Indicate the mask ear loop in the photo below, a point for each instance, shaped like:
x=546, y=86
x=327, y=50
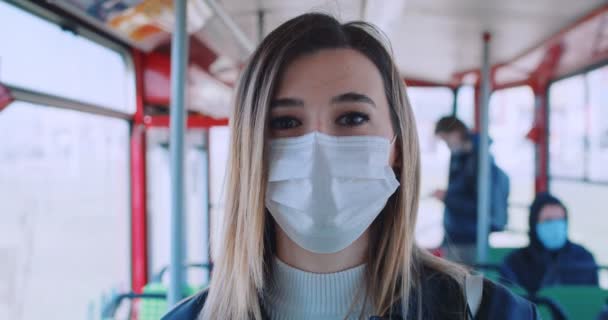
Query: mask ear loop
x=397, y=175
x=393, y=139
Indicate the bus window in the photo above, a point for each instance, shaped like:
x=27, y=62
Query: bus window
x=219, y=144
x=578, y=153
x=466, y=105
x=511, y=117
x=429, y=105
x=43, y=58
x=567, y=127
x=195, y=197
x=597, y=81
x=64, y=222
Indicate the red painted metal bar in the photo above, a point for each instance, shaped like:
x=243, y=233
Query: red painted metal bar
x=525, y=82
x=138, y=65
x=5, y=97
x=539, y=81
x=156, y=75
x=544, y=72
x=555, y=38
x=139, y=241
x=192, y=122
x=411, y=82
x=139, y=230
x=539, y=135
x=600, y=33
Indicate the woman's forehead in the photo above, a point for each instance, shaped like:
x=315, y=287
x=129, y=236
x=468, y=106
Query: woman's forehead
x=330, y=71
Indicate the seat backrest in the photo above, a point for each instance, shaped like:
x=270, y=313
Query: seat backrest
x=154, y=309
x=498, y=255
x=579, y=302
x=495, y=259
x=545, y=312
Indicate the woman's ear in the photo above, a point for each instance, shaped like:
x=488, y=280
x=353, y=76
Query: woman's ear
x=396, y=157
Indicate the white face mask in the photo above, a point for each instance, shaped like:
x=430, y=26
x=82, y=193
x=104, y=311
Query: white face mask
x=325, y=191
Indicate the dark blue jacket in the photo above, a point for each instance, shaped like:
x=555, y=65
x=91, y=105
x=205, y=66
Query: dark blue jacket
x=442, y=301
x=460, y=216
x=535, y=267
x=604, y=313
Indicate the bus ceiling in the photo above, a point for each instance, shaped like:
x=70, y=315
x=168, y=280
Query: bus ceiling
x=436, y=42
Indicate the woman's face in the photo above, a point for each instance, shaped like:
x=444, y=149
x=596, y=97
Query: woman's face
x=338, y=92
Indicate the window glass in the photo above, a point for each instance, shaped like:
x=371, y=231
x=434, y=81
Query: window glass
x=511, y=118
x=219, y=146
x=567, y=128
x=429, y=105
x=195, y=197
x=44, y=58
x=579, y=153
x=586, y=216
x=466, y=105
x=597, y=157
x=64, y=213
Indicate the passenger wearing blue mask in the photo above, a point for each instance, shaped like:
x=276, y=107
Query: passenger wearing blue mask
x=550, y=259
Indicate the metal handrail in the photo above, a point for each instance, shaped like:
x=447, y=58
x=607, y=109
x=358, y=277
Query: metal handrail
x=205, y=266
x=109, y=310
x=573, y=267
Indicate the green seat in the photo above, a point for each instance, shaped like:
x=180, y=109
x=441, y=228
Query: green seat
x=492, y=275
x=579, y=302
x=498, y=255
x=154, y=309
x=495, y=259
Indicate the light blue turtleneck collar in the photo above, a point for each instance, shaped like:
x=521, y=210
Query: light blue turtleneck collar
x=294, y=294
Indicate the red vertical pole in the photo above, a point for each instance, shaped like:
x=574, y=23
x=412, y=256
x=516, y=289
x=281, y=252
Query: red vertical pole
x=541, y=140
x=477, y=111
x=139, y=254
x=138, y=65
x=139, y=238
x=539, y=81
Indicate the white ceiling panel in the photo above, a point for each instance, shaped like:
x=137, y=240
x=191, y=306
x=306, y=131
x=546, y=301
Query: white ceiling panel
x=431, y=39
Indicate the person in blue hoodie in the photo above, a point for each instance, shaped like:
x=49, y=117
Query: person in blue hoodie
x=550, y=258
x=460, y=198
x=603, y=315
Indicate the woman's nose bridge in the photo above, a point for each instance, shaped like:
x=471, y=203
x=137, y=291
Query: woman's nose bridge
x=320, y=121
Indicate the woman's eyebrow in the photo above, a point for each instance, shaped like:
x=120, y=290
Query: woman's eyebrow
x=353, y=97
x=286, y=102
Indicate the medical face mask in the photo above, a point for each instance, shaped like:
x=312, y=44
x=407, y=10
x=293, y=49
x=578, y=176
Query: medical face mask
x=553, y=234
x=325, y=191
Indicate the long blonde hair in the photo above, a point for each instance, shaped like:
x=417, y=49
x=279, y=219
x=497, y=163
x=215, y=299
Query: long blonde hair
x=243, y=263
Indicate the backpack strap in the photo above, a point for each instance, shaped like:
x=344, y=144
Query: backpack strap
x=473, y=292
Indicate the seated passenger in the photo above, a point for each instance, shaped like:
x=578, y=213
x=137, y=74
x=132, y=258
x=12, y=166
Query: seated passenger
x=550, y=259
x=604, y=313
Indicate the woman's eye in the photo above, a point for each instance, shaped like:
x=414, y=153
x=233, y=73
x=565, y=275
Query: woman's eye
x=353, y=119
x=284, y=123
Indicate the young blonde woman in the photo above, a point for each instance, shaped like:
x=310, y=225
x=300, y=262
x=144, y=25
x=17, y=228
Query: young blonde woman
x=323, y=192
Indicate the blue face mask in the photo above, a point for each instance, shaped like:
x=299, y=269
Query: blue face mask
x=553, y=234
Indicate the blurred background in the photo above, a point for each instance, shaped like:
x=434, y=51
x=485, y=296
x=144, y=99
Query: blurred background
x=84, y=129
